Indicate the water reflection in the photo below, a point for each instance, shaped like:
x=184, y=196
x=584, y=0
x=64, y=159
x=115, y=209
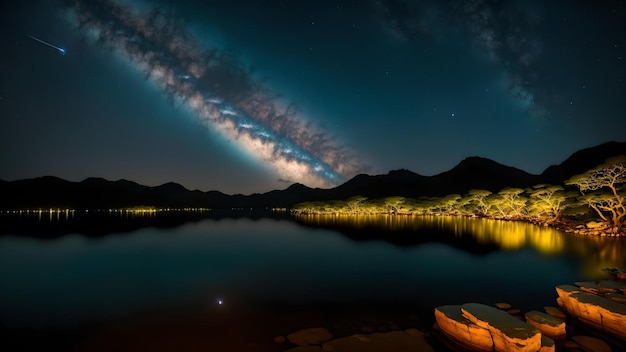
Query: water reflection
x=595, y=252
x=49, y=214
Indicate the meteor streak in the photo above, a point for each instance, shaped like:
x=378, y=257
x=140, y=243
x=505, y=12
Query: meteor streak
x=61, y=50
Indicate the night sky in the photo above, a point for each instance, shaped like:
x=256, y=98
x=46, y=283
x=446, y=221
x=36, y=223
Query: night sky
x=248, y=96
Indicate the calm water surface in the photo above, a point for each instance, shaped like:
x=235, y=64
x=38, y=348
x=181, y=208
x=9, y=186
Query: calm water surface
x=414, y=264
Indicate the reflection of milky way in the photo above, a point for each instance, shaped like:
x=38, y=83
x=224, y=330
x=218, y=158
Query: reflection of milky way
x=218, y=90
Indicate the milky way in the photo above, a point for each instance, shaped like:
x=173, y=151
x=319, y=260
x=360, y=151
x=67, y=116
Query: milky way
x=218, y=90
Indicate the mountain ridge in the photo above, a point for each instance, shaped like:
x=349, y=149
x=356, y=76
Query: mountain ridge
x=470, y=173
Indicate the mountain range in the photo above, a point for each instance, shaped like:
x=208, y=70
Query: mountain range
x=470, y=173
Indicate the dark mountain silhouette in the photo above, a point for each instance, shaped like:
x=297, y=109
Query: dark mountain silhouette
x=396, y=182
x=471, y=173
x=582, y=161
x=480, y=173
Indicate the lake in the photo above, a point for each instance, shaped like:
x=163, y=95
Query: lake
x=235, y=282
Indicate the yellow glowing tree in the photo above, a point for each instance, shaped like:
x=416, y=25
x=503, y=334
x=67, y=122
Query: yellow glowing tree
x=477, y=200
x=354, y=203
x=604, y=190
x=394, y=204
x=547, y=201
x=514, y=201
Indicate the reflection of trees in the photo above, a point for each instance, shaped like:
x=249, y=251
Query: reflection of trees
x=596, y=252
x=599, y=252
x=508, y=235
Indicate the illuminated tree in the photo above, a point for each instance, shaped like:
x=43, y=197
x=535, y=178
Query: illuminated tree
x=311, y=207
x=513, y=201
x=477, y=200
x=372, y=206
x=496, y=206
x=393, y=204
x=354, y=203
x=607, y=192
x=547, y=201
x=450, y=203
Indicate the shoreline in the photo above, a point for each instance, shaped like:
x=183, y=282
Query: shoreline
x=577, y=227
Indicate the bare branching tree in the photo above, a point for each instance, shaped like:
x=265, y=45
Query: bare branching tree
x=594, y=184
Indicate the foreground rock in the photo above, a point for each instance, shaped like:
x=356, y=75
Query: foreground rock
x=397, y=341
x=455, y=326
x=595, y=311
x=591, y=344
x=483, y=328
x=555, y=312
x=312, y=336
x=549, y=325
x=505, y=330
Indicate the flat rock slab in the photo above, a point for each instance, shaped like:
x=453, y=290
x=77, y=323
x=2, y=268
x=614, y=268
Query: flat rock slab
x=555, y=312
x=504, y=306
x=547, y=344
x=451, y=322
x=312, y=336
x=549, y=325
x=567, y=289
x=616, y=286
x=507, y=332
x=397, y=341
x=602, y=313
x=616, y=297
x=414, y=332
x=589, y=286
x=591, y=344
x=595, y=311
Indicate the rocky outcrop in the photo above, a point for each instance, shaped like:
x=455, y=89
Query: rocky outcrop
x=549, y=326
x=455, y=326
x=484, y=328
x=509, y=334
x=591, y=344
x=547, y=344
x=312, y=336
x=593, y=310
x=616, y=297
x=555, y=312
x=320, y=339
x=397, y=341
x=596, y=305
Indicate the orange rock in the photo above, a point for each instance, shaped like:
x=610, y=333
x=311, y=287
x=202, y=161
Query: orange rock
x=588, y=286
x=564, y=291
x=414, y=332
x=591, y=344
x=459, y=329
x=619, y=298
x=503, y=306
x=555, y=312
x=508, y=333
x=595, y=311
x=571, y=345
x=612, y=286
x=547, y=345
x=549, y=325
